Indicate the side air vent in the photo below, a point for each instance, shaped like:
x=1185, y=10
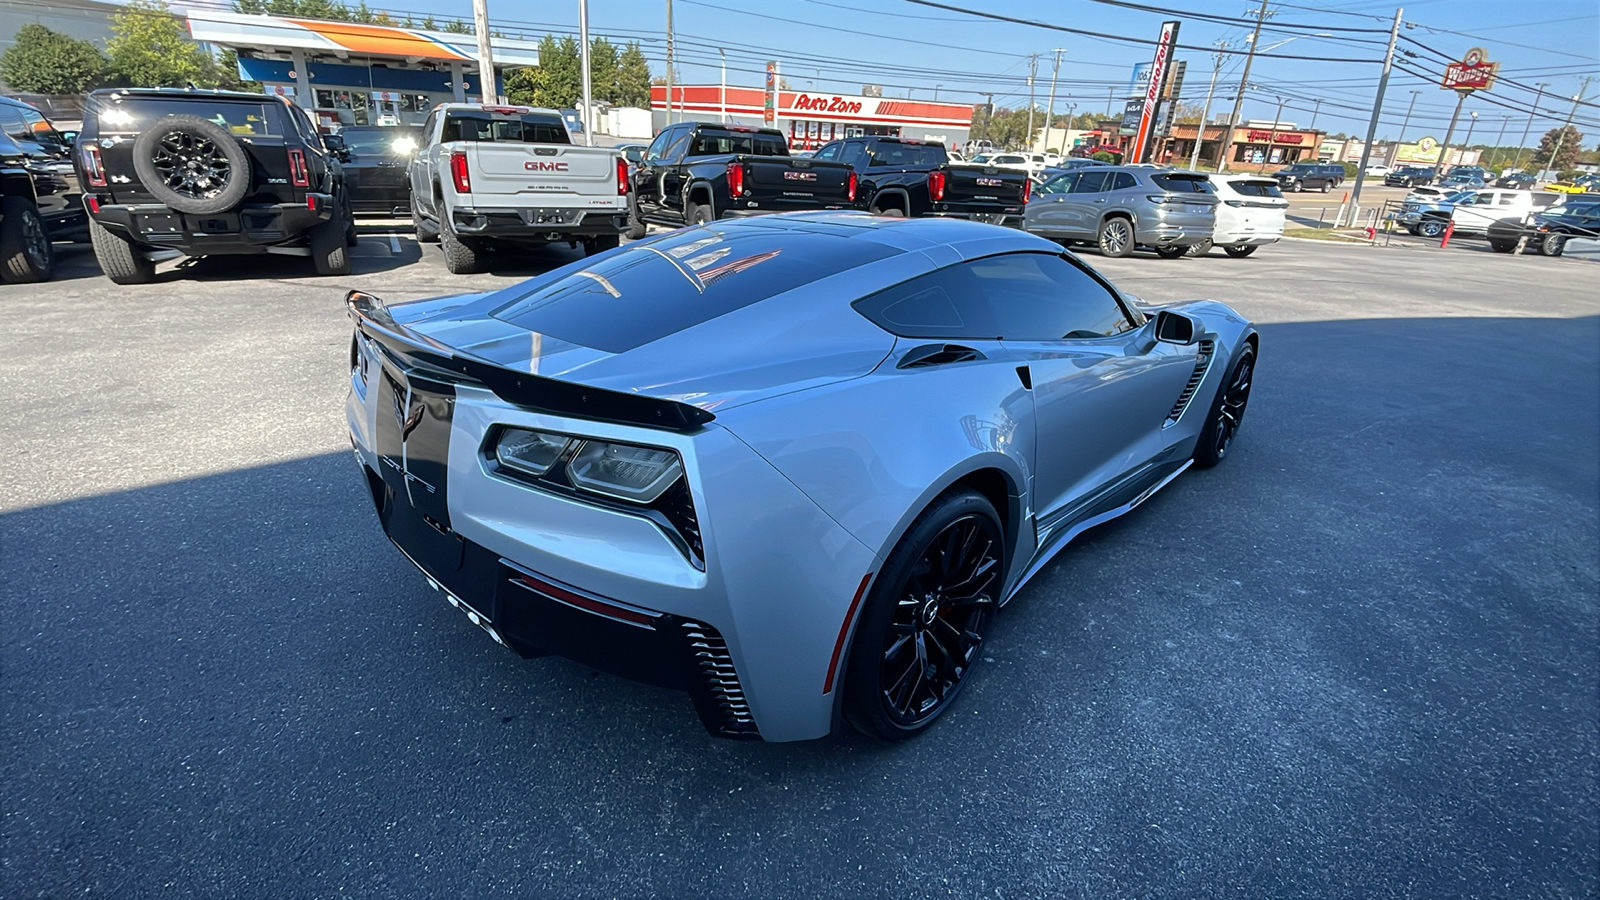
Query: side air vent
x=718, y=695
x=1201, y=363
x=937, y=355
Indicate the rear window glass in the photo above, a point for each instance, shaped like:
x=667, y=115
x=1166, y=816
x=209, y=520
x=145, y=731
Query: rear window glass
x=1256, y=188
x=1184, y=184
x=890, y=154
x=660, y=287
x=748, y=143
x=470, y=125
x=137, y=114
x=381, y=141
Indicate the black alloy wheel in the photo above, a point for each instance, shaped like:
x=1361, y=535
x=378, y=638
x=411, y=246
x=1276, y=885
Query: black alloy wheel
x=191, y=165
x=1227, y=412
x=924, y=625
x=25, y=251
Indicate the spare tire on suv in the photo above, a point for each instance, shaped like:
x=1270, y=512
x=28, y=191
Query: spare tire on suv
x=192, y=165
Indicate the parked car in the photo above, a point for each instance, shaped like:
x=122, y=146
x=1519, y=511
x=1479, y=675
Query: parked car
x=1004, y=161
x=1302, y=175
x=1474, y=212
x=793, y=465
x=1479, y=171
x=1067, y=164
x=1428, y=216
x=28, y=140
x=208, y=173
x=1251, y=213
x=375, y=159
x=1378, y=171
x=1462, y=181
x=498, y=175
x=1549, y=231
x=25, y=251
x=902, y=177
x=1579, y=185
x=1518, y=180
x=1427, y=194
x=698, y=172
x=633, y=153
x=1410, y=176
x=1119, y=208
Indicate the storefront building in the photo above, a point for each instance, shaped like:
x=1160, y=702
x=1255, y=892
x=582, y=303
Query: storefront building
x=1254, y=143
x=811, y=119
x=345, y=73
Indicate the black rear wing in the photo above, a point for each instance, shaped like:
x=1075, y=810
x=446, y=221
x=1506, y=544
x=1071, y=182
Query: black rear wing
x=538, y=393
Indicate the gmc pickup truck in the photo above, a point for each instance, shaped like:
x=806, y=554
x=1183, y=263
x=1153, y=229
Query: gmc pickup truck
x=899, y=177
x=491, y=174
x=696, y=172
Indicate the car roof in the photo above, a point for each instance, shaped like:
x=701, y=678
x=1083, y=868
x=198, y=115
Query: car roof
x=184, y=94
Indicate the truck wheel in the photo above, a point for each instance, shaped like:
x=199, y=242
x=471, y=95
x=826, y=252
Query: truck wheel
x=25, y=253
x=698, y=215
x=460, y=257
x=1240, y=252
x=596, y=245
x=121, y=261
x=192, y=165
x=426, y=234
x=1430, y=228
x=636, y=226
x=329, y=253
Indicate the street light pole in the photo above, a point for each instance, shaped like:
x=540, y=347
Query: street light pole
x=480, y=21
x=722, y=92
x=1200, y=133
x=1531, y=113
x=1466, y=145
x=1050, y=114
x=1244, y=79
x=1501, y=140
x=936, y=92
x=1317, y=109
x=1272, y=139
x=1407, y=121
x=669, y=62
x=1033, y=69
x=583, y=56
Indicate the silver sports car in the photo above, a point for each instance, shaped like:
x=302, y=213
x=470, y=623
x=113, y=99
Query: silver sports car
x=790, y=464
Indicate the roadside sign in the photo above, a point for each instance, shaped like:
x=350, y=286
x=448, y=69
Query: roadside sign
x=1473, y=73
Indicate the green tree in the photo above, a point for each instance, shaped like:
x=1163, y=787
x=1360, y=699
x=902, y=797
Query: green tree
x=458, y=27
x=428, y=24
x=522, y=86
x=1570, y=139
x=603, y=68
x=150, y=48
x=633, y=77
x=557, y=81
x=46, y=62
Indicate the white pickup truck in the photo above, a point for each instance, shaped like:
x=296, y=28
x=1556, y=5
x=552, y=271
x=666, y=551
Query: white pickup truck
x=489, y=174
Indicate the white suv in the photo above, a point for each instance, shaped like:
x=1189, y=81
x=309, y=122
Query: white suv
x=1251, y=212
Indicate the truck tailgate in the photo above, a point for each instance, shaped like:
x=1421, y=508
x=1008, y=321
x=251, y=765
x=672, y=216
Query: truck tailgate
x=984, y=186
x=542, y=174
x=784, y=182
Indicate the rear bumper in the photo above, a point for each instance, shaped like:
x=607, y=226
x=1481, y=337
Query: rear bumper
x=1170, y=234
x=538, y=223
x=248, y=229
x=1246, y=239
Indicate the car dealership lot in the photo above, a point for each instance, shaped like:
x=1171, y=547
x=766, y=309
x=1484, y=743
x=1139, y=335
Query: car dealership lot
x=1358, y=658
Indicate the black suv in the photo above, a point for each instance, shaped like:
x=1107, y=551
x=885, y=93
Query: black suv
x=1410, y=176
x=1299, y=176
x=208, y=173
x=25, y=253
x=29, y=141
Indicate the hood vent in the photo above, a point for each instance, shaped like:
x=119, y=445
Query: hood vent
x=1201, y=363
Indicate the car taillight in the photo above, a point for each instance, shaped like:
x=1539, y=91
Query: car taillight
x=935, y=186
x=299, y=175
x=93, y=203
x=735, y=179
x=459, y=174
x=622, y=176
x=92, y=165
x=1027, y=189
x=850, y=189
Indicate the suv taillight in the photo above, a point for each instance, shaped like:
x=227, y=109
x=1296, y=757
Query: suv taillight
x=735, y=179
x=622, y=176
x=93, y=166
x=935, y=186
x=1027, y=189
x=459, y=174
x=850, y=189
x=299, y=175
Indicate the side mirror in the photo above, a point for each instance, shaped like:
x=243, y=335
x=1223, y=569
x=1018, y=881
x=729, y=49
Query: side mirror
x=68, y=137
x=1176, y=328
x=335, y=144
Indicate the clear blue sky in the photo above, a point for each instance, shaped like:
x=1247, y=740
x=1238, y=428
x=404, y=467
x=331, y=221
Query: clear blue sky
x=839, y=45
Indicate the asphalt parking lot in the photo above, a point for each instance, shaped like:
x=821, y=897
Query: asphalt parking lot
x=1359, y=659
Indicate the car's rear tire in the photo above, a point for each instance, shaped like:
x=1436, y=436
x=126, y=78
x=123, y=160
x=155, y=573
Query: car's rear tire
x=921, y=629
x=1502, y=246
x=1430, y=228
x=637, y=227
x=601, y=244
x=330, y=254
x=461, y=257
x=1173, y=252
x=1116, y=237
x=893, y=212
x=1299, y=185
x=698, y=214
x=1227, y=411
x=1553, y=244
x=1200, y=249
x=426, y=234
x=1239, y=252
x=1326, y=186
x=25, y=252
x=122, y=261
x=171, y=147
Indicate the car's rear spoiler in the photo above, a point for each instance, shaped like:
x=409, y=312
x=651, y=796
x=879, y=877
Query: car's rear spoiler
x=534, y=392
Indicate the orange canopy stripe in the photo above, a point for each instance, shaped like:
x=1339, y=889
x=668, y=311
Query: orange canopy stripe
x=379, y=40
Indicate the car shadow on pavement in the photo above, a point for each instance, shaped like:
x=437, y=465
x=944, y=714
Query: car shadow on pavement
x=1375, y=619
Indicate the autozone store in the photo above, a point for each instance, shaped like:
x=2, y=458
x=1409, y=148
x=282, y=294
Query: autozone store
x=811, y=119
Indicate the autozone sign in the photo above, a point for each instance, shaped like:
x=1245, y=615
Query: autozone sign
x=826, y=104
x=541, y=166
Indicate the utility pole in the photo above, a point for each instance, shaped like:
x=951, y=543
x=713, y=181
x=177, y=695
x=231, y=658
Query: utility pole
x=1466, y=145
x=1531, y=113
x=1501, y=140
x=1444, y=148
x=1111, y=101
x=480, y=21
x=588, y=94
x=1354, y=206
x=722, y=93
x=669, y=62
x=1200, y=133
x=1576, y=99
x=1407, y=122
x=1244, y=79
x=936, y=92
x=1272, y=140
x=1033, y=69
x=988, y=116
x=1314, y=113
x=1050, y=114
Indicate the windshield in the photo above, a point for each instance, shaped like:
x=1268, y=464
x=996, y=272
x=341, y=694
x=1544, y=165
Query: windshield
x=375, y=141
x=1191, y=184
x=1458, y=196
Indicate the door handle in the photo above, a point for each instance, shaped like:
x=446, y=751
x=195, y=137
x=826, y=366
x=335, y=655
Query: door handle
x=1100, y=200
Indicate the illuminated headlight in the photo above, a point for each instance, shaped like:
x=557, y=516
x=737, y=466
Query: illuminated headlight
x=533, y=452
x=624, y=471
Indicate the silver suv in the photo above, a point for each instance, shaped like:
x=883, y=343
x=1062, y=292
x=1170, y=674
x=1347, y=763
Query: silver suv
x=1121, y=207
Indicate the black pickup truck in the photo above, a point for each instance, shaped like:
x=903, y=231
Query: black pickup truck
x=900, y=177
x=695, y=172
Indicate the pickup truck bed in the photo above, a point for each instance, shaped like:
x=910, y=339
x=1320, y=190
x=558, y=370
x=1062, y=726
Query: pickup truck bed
x=916, y=178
